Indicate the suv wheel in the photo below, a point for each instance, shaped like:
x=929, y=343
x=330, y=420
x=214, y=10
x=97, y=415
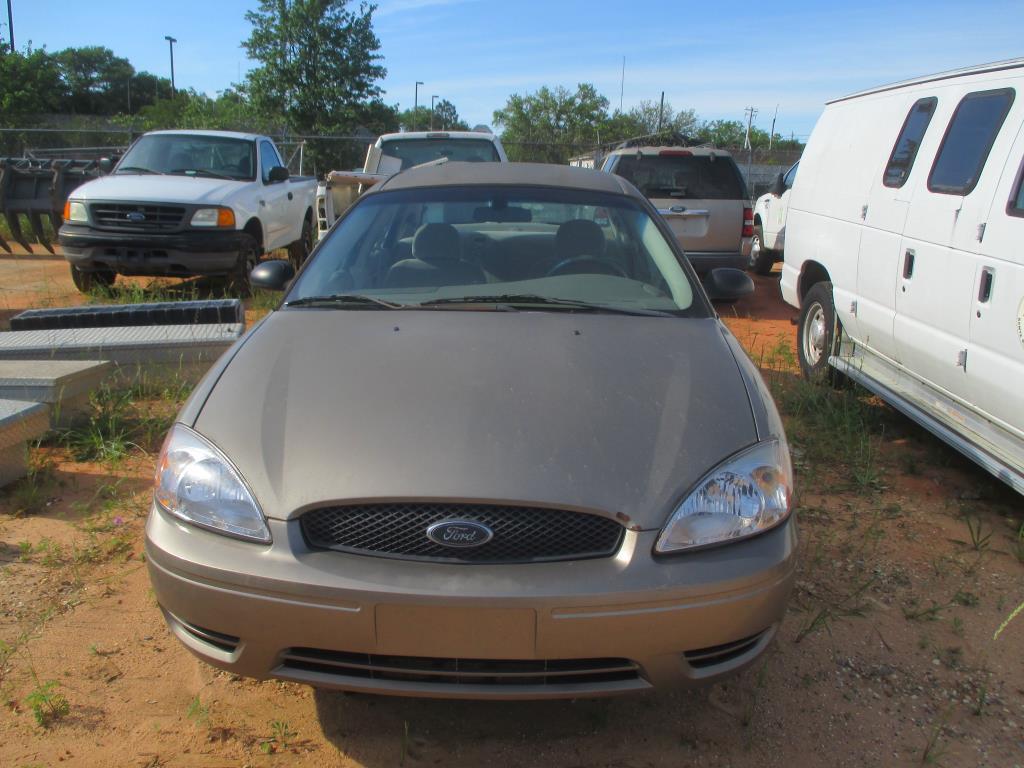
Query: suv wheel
x=86, y=281
x=761, y=259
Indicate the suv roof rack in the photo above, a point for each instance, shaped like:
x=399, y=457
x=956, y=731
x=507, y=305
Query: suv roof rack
x=663, y=139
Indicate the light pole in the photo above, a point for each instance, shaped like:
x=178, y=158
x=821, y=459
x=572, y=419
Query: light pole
x=170, y=43
x=10, y=23
x=432, y=99
x=416, y=104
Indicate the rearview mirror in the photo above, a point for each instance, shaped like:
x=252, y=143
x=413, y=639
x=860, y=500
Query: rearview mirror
x=273, y=275
x=278, y=173
x=728, y=284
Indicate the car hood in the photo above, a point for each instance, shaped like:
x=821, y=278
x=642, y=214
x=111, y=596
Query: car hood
x=604, y=413
x=133, y=187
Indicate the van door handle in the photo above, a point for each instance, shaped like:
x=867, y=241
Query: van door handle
x=908, y=264
x=988, y=276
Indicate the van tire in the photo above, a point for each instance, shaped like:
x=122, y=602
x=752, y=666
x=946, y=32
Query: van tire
x=86, y=281
x=816, y=335
x=762, y=261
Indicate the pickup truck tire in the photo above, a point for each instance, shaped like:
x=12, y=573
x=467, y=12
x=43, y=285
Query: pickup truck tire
x=86, y=281
x=299, y=251
x=816, y=335
x=248, y=257
x=762, y=261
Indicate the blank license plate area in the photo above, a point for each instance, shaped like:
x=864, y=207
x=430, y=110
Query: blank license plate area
x=446, y=632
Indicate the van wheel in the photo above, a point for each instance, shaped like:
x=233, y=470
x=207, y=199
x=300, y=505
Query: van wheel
x=86, y=281
x=815, y=339
x=761, y=259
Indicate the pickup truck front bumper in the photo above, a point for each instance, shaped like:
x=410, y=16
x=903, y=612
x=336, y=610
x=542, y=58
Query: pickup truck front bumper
x=143, y=253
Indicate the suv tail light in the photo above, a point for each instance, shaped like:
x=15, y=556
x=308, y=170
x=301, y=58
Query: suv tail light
x=748, y=222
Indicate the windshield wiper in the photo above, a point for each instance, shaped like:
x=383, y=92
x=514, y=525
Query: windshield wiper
x=341, y=300
x=139, y=169
x=515, y=300
x=203, y=172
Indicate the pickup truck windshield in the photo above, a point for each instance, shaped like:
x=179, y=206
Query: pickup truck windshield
x=418, y=151
x=188, y=155
x=497, y=248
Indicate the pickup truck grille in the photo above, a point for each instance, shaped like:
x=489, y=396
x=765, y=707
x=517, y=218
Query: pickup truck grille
x=138, y=217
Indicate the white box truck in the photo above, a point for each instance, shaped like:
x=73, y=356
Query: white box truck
x=903, y=253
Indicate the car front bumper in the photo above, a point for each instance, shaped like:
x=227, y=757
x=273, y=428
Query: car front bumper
x=190, y=252
x=548, y=630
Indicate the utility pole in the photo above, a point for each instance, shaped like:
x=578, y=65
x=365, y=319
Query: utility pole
x=747, y=144
x=10, y=23
x=661, y=110
x=622, y=83
x=170, y=43
x=432, y=100
x=771, y=136
x=416, y=104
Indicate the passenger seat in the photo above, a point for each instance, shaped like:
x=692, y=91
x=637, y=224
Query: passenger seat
x=435, y=262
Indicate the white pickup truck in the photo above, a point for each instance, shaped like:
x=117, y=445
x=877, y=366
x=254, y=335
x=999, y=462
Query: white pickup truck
x=394, y=152
x=182, y=203
x=769, y=240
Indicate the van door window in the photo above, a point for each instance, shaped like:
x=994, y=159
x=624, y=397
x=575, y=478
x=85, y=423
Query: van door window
x=968, y=140
x=1015, y=207
x=909, y=141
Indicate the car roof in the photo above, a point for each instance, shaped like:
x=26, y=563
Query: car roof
x=223, y=134
x=696, y=151
x=455, y=174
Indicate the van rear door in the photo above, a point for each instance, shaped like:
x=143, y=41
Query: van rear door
x=702, y=196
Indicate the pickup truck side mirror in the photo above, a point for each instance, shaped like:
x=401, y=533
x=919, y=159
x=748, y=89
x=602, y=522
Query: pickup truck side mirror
x=778, y=186
x=278, y=173
x=728, y=284
x=273, y=275
x=105, y=165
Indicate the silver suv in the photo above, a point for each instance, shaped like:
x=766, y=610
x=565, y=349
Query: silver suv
x=700, y=192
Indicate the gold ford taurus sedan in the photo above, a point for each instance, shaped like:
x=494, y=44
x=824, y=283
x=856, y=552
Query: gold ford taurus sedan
x=494, y=443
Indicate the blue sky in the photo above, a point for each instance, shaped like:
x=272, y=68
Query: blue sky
x=717, y=58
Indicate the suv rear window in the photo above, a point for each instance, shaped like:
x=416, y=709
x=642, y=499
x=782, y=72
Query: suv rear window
x=698, y=177
x=417, y=151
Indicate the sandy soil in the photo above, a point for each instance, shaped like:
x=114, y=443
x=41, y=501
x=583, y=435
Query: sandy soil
x=886, y=658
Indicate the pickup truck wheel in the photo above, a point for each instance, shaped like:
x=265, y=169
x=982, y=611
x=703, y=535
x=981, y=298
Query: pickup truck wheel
x=816, y=334
x=86, y=281
x=248, y=257
x=299, y=251
x=761, y=259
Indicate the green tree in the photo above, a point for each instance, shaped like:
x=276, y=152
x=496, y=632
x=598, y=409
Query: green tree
x=318, y=61
x=552, y=124
x=95, y=81
x=415, y=120
x=446, y=117
x=30, y=84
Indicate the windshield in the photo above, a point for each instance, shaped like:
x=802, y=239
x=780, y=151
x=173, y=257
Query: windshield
x=188, y=155
x=418, y=246
x=697, y=177
x=418, y=151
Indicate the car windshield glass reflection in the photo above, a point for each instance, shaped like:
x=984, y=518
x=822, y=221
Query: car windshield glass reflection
x=548, y=249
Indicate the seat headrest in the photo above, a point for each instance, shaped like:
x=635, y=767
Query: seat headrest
x=579, y=237
x=436, y=242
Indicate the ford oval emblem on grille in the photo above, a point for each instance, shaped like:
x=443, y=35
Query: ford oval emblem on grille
x=136, y=216
x=459, y=533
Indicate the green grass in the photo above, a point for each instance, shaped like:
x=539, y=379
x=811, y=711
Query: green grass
x=47, y=704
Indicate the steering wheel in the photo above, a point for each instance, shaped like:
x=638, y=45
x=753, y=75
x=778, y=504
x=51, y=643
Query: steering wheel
x=582, y=265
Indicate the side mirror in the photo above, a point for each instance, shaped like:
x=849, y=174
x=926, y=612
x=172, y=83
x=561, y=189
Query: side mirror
x=778, y=186
x=273, y=275
x=728, y=284
x=106, y=165
x=278, y=173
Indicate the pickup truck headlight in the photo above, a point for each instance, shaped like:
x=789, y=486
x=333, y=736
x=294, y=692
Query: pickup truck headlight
x=214, y=217
x=75, y=210
x=196, y=483
x=747, y=494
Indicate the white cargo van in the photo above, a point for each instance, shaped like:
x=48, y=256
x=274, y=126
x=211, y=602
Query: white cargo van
x=903, y=253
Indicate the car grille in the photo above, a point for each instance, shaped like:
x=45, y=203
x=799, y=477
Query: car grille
x=456, y=672
x=158, y=218
x=521, y=534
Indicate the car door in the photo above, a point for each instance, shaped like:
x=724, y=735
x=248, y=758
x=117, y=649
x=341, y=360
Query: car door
x=775, y=228
x=936, y=278
x=274, y=204
x=885, y=216
x=995, y=361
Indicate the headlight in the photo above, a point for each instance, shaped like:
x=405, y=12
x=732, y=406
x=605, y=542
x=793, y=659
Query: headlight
x=196, y=482
x=745, y=495
x=213, y=217
x=75, y=211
